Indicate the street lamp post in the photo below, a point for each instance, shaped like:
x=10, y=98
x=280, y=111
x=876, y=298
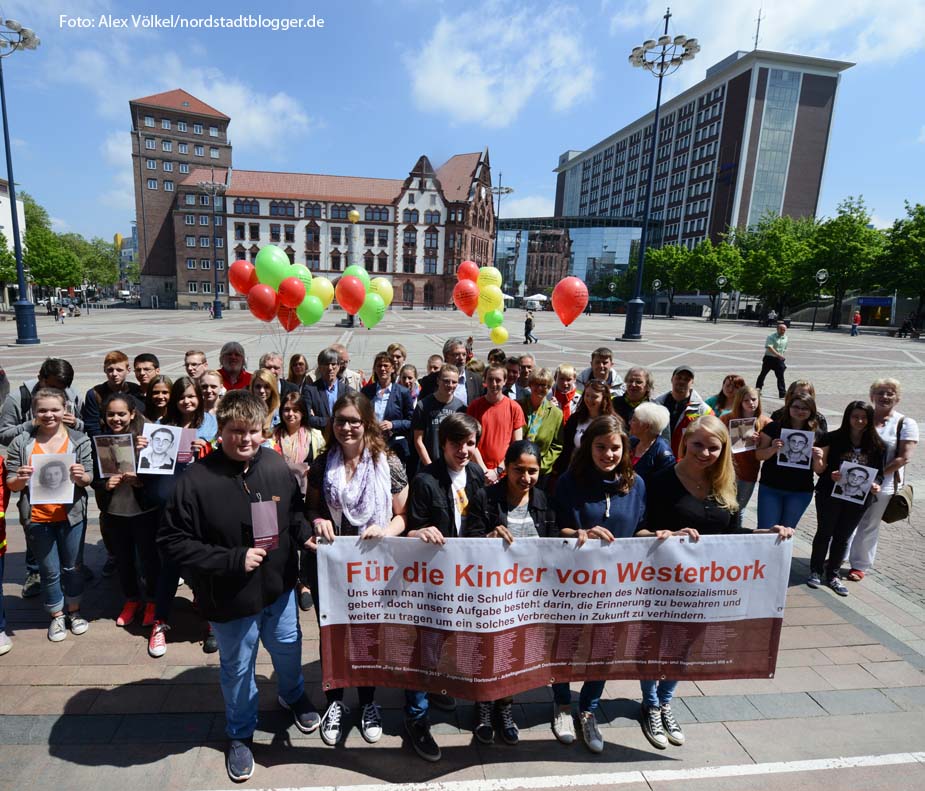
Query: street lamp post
x=213, y=189
x=500, y=191
x=821, y=276
x=660, y=58
x=656, y=285
x=720, y=283
x=13, y=37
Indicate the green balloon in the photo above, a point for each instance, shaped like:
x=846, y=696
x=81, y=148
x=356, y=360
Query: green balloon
x=303, y=273
x=310, y=311
x=272, y=266
x=372, y=311
x=357, y=271
x=494, y=318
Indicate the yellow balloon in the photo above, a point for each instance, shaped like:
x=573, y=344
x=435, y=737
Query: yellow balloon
x=499, y=335
x=353, y=215
x=490, y=298
x=322, y=288
x=489, y=276
x=383, y=288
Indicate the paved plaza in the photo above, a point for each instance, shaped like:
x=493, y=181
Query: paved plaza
x=846, y=705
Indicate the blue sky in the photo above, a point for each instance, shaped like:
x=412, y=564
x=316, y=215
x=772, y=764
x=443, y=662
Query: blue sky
x=384, y=82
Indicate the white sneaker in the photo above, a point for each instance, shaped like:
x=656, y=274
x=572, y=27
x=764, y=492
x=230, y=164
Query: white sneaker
x=57, y=629
x=332, y=723
x=371, y=723
x=563, y=726
x=672, y=729
x=590, y=732
x=5, y=643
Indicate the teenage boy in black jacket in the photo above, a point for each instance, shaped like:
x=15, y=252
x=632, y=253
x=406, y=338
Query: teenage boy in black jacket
x=437, y=509
x=233, y=526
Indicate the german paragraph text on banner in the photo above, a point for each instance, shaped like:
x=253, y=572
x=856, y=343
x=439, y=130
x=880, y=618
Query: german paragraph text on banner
x=481, y=619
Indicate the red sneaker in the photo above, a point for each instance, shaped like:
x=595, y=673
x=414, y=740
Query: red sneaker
x=129, y=611
x=855, y=575
x=149, y=615
x=157, y=643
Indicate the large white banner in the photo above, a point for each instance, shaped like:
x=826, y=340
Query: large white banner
x=501, y=618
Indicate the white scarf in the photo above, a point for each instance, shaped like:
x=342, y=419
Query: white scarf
x=366, y=499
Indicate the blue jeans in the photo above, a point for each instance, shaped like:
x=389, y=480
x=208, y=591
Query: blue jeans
x=588, y=698
x=56, y=546
x=278, y=627
x=657, y=693
x=779, y=507
x=416, y=703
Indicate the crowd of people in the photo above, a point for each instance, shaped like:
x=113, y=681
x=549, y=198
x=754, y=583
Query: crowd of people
x=285, y=456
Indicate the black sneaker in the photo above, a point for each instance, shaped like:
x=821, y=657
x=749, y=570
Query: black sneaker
x=332, y=723
x=421, y=740
x=484, y=731
x=509, y=730
x=306, y=718
x=210, y=644
x=32, y=587
x=239, y=761
x=109, y=567
x=87, y=572
x=440, y=701
x=305, y=600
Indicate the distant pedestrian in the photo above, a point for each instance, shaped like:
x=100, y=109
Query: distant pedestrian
x=61, y=314
x=211, y=311
x=856, y=323
x=529, y=337
x=775, y=354
x=53, y=310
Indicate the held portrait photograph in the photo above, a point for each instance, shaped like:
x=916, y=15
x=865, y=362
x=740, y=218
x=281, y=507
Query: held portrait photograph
x=742, y=434
x=854, y=482
x=51, y=482
x=797, y=450
x=115, y=454
x=160, y=457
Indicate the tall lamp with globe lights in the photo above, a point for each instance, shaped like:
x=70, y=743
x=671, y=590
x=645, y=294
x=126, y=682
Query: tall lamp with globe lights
x=213, y=189
x=660, y=58
x=821, y=277
x=15, y=37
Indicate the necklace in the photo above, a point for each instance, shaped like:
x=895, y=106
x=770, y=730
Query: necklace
x=689, y=478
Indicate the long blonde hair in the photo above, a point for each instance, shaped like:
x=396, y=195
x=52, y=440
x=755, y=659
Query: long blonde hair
x=722, y=474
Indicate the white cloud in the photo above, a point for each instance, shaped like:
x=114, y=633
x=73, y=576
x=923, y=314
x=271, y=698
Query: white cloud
x=528, y=206
x=58, y=225
x=117, y=153
x=921, y=137
x=517, y=54
x=862, y=31
x=880, y=222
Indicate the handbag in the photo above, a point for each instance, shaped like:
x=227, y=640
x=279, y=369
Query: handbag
x=900, y=504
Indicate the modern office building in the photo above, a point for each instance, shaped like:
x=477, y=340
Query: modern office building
x=536, y=253
x=748, y=140
x=415, y=230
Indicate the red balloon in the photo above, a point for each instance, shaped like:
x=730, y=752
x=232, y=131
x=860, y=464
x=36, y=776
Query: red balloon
x=467, y=270
x=243, y=276
x=569, y=299
x=263, y=302
x=287, y=318
x=291, y=292
x=350, y=293
x=466, y=296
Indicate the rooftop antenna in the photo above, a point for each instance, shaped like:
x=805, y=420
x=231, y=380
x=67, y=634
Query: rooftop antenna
x=758, y=26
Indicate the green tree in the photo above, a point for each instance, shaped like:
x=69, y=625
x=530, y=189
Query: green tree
x=775, y=253
x=101, y=266
x=7, y=262
x=709, y=262
x=670, y=265
x=50, y=262
x=901, y=265
x=847, y=248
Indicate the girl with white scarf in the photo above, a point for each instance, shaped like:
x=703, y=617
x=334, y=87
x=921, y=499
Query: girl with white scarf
x=355, y=488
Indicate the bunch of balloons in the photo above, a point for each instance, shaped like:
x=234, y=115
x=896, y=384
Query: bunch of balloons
x=277, y=289
x=479, y=290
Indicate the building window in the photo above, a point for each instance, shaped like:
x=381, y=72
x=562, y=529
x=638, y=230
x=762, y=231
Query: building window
x=168, y=185
x=407, y=264
x=213, y=153
x=340, y=212
x=274, y=232
x=239, y=231
x=192, y=287
x=151, y=164
x=368, y=260
x=190, y=199
x=190, y=263
x=221, y=288
x=168, y=167
x=335, y=261
x=190, y=219
x=183, y=148
x=377, y=214
x=213, y=131
x=165, y=123
x=203, y=219
x=383, y=237
x=203, y=241
x=335, y=235
x=149, y=120
x=254, y=231
x=219, y=264
x=181, y=126
x=431, y=237
x=219, y=241
x=197, y=129
x=203, y=200
x=219, y=220
x=150, y=143
x=206, y=287
x=152, y=184
x=409, y=216
x=369, y=237
x=411, y=198
x=166, y=145
x=410, y=237
x=199, y=151
x=313, y=261
x=313, y=210
x=205, y=263
x=432, y=217
x=430, y=265
x=282, y=209
x=184, y=168
x=289, y=233
x=312, y=234
x=382, y=262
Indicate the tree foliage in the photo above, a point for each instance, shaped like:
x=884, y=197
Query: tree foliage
x=670, y=265
x=901, y=264
x=7, y=262
x=708, y=262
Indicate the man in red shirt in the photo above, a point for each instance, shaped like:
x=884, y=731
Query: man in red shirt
x=502, y=422
x=233, y=361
